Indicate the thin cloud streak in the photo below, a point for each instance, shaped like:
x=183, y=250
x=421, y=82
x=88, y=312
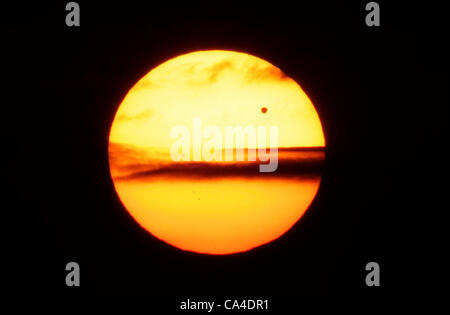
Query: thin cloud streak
x=205, y=170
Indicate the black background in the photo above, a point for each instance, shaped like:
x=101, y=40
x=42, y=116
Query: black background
x=382, y=96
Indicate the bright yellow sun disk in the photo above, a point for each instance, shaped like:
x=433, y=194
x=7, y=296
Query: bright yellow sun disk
x=211, y=215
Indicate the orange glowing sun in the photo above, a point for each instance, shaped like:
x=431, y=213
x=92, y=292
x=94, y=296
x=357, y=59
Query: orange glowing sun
x=210, y=204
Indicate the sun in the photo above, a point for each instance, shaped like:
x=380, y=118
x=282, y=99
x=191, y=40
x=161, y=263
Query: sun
x=215, y=206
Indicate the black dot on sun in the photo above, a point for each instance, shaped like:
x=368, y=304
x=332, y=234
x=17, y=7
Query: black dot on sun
x=264, y=110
